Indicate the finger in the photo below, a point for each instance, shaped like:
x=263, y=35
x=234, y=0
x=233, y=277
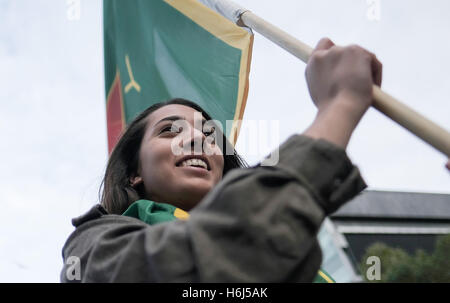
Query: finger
x=448, y=165
x=324, y=44
x=377, y=70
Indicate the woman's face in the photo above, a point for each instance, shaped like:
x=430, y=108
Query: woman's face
x=178, y=163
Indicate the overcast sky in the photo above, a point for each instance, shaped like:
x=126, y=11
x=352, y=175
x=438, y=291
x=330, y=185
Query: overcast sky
x=52, y=114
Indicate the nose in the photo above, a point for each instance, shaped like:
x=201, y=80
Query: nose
x=193, y=144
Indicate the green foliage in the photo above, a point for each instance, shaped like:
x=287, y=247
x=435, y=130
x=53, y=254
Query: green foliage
x=399, y=266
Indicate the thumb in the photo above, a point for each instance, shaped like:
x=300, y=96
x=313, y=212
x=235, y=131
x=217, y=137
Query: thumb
x=324, y=44
x=377, y=70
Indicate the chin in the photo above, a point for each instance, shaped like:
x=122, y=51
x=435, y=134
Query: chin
x=192, y=195
x=197, y=186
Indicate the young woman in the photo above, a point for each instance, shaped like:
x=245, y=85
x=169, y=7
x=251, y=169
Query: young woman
x=256, y=224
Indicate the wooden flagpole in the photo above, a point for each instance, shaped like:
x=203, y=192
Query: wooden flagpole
x=420, y=126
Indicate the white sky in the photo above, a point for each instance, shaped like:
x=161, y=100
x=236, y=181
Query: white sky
x=52, y=117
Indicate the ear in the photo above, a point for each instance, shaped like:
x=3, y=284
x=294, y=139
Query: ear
x=135, y=181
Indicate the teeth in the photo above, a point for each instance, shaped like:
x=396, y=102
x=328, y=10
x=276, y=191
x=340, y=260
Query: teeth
x=194, y=162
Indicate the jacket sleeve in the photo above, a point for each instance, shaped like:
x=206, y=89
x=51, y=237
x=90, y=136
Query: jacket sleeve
x=257, y=225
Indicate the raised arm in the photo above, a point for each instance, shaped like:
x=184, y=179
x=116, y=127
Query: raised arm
x=340, y=82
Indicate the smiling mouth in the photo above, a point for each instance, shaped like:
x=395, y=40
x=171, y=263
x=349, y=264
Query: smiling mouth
x=194, y=162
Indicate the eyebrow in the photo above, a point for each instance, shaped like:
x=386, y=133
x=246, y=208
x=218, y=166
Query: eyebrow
x=171, y=118
x=175, y=118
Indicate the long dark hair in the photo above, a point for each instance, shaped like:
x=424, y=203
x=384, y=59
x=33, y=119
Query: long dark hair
x=116, y=191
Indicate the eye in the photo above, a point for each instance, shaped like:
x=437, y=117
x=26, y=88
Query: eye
x=210, y=136
x=171, y=129
x=210, y=132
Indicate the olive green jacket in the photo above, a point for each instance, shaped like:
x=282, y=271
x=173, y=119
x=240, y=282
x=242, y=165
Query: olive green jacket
x=258, y=224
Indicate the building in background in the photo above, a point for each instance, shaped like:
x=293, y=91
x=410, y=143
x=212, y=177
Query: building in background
x=409, y=221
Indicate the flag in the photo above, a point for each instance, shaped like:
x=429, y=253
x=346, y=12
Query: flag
x=155, y=50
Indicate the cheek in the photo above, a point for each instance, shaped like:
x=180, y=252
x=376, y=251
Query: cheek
x=156, y=165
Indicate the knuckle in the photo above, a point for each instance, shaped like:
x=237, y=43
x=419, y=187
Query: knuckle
x=354, y=48
x=316, y=57
x=358, y=51
x=325, y=40
x=336, y=50
x=324, y=43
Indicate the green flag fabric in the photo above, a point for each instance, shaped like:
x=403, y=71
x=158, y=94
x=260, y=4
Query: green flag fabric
x=156, y=50
x=152, y=212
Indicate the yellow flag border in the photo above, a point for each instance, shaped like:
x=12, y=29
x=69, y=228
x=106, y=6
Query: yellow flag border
x=231, y=34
